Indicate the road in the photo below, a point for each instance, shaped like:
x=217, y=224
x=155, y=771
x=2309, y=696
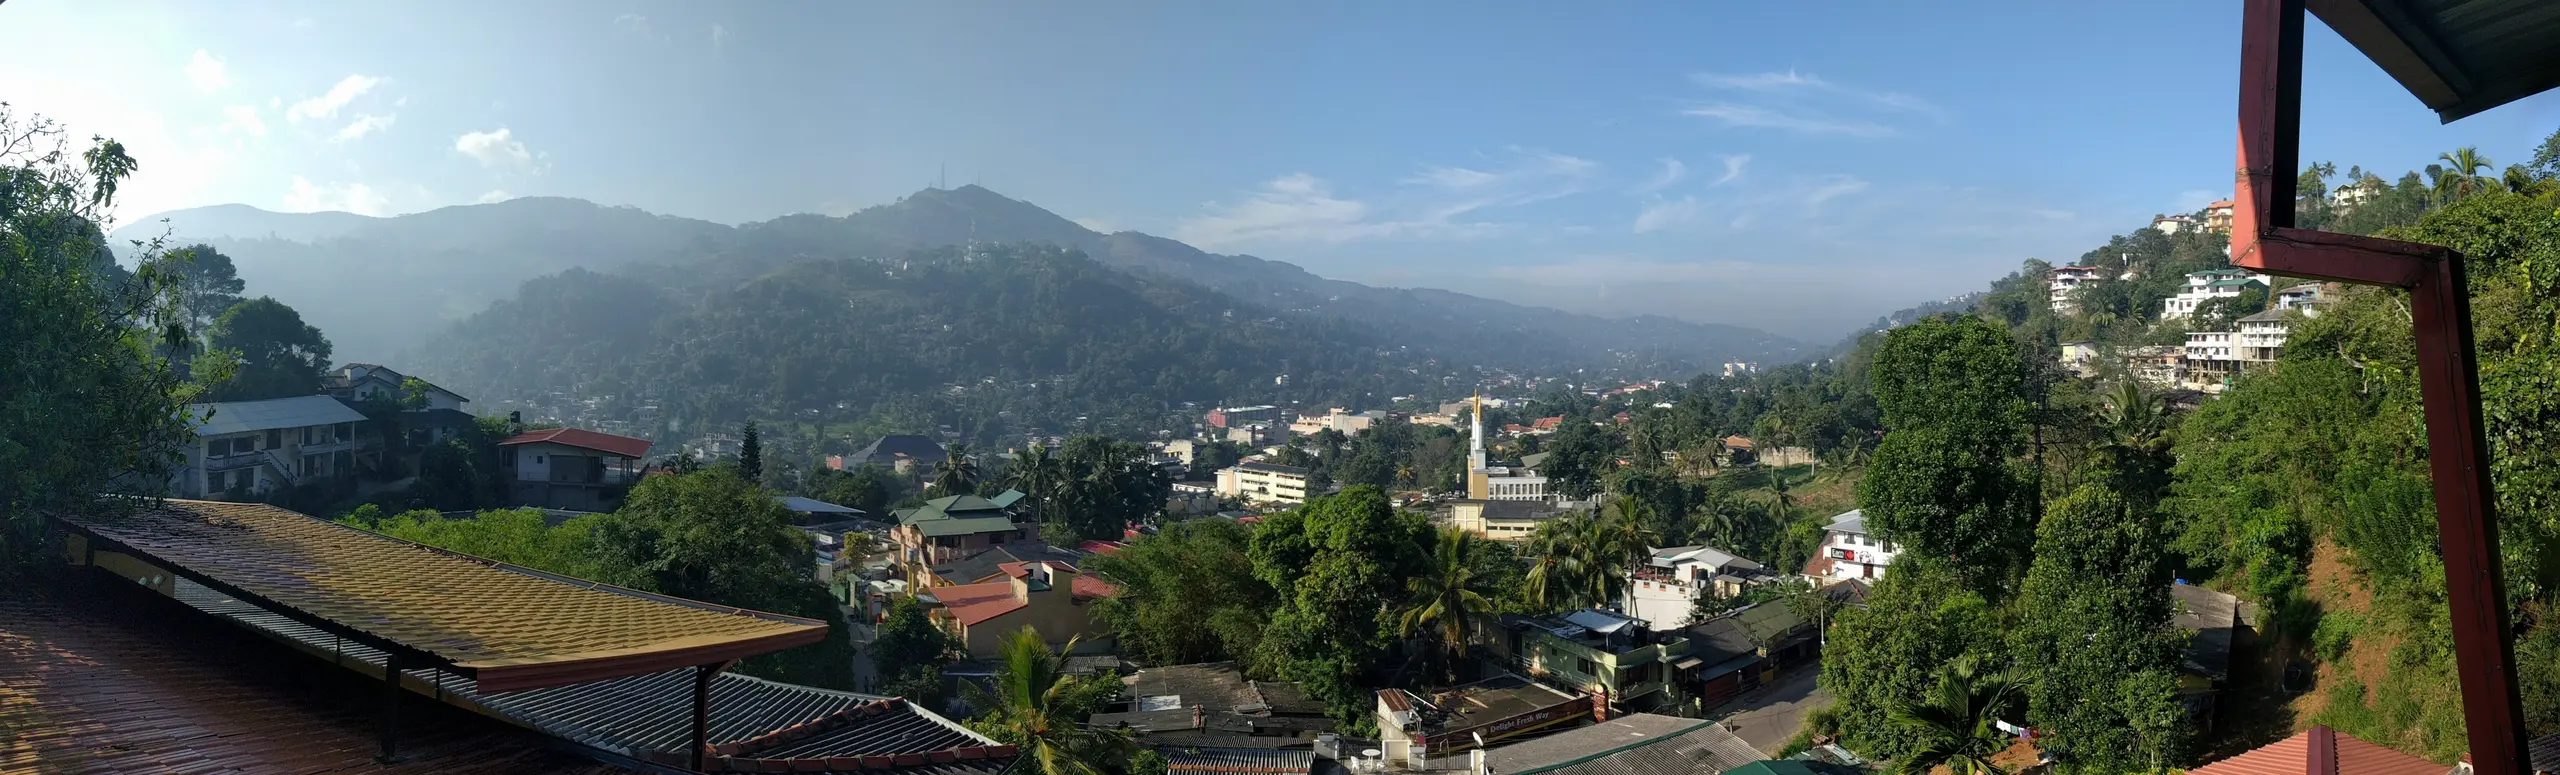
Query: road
x=1769, y=717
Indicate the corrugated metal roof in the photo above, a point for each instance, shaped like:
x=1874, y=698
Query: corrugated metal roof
x=2291, y=756
x=119, y=685
x=1241, y=761
x=1854, y=521
x=649, y=716
x=813, y=505
x=515, y=628
x=250, y=416
x=1634, y=744
x=620, y=446
x=2459, y=58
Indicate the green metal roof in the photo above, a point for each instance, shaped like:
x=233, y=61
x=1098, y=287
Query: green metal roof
x=2230, y=283
x=935, y=528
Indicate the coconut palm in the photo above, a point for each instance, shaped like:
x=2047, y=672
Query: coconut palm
x=1955, y=723
x=957, y=474
x=1448, y=598
x=1618, y=542
x=1782, y=502
x=2465, y=172
x=1037, y=706
x=1554, y=567
x=1036, y=472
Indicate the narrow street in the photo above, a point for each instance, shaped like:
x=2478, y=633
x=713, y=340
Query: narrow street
x=1767, y=718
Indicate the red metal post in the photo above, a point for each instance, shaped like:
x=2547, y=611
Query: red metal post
x=2263, y=238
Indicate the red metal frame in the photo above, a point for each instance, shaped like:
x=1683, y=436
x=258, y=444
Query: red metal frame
x=2263, y=238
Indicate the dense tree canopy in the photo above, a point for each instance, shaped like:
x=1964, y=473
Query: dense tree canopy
x=279, y=356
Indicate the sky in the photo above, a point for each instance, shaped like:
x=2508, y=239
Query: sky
x=1802, y=168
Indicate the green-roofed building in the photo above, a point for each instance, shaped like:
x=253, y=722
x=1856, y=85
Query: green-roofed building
x=952, y=528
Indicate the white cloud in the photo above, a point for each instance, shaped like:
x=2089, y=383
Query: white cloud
x=1805, y=103
x=494, y=196
x=719, y=36
x=1732, y=168
x=1672, y=172
x=1099, y=226
x=637, y=25
x=243, y=118
x=1433, y=203
x=1664, y=213
x=494, y=148
x=1831, y=187
x=207, y=73
x=1762, y=117
x=358, y=198
x=326, y=105
x=363, y=125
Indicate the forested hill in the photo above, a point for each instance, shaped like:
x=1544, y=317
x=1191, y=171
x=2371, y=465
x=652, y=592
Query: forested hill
x=994, y=340
x=381, y=286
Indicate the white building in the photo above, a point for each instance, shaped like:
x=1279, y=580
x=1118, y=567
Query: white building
x=1261, y=482
x=2212, y=359
x=1488, y=482
x=1848, y=552
x=2174, y=224
x=1338, y=420
x=2208, y=285
x=2080, y=357
x=2348, y=196
x=571, y=468
x=247, y=449
x=2160, y=366
x=1739, y=368
x=439, y=418
x=2067, y=279
x=1667, y=588
x=2301, y=296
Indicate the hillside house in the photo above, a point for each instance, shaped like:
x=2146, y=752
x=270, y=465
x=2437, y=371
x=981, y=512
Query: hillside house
x=1413, y=728
x=2217, y=216
x=2067, y=280
x=2206, y=286
x=1053, y=598
x=950, y=529
x=1746, y=648
x=1672, y=581
x=2175, y=224
x=571, y=468
x=2212, y=359
x=1848, y=552
x=247, y=449
x=441, y=417
x=1214, y=705
x=1240, y=416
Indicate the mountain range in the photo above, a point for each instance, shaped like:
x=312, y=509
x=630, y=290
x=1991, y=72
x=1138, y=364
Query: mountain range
x=380, y=287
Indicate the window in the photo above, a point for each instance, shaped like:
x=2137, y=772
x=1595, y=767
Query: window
x=217, y=447
x=1585, y=667
x=275, y=438
x=346, y=430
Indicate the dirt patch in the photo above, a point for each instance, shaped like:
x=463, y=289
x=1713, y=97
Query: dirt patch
x=2336, y=587
x=2334, y=584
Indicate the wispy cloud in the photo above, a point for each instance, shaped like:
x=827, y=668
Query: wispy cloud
x=1806, y=103
x=497, y=148
x=243, y=118
x=207, y=73
x=638, y=26
x=499, y=195
x=327, y=104
x=1435, y=202
x=363, y=125
x=1664, y=213
x=1099, y=226
x=306, y=196
x=1672, y=172
x=719, y=36
x=1733, y=165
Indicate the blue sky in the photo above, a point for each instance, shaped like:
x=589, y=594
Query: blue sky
x=1800, y=169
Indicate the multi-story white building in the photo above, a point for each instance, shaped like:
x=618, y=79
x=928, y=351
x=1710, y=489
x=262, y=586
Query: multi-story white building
x=1488, y=482
x=1848, y=552
x=1667, y=588
x=2174, y=224
x=2208, y=285
x=2212, y=359
x=2351, y=195
x=245, y=449
x=2261, y=336
x=2160, y=366
x=2067, y=279
x=1338, y=420
x=1261, y=482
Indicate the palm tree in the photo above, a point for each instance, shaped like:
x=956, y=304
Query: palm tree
x=1040, y=708
x=1782, y=503
x=1955, y=724
x=1617, y=544
x=2465, y=173
x=1036, y=473
x=957, y=474
x=1554, y=567
x=1448, y=598
x=1716, y=520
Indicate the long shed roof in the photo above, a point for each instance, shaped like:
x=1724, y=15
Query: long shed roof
x=512, y=628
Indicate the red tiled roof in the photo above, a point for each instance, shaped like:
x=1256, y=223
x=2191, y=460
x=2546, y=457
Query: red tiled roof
x=1820, y=567
x=1737, y=442
x=124, y=685
x=1101, y=547
x=2222, y=204
x=974, y=604
x=581, y=438
x=1549, y=423
x=2291, y=756
x=1084, y=586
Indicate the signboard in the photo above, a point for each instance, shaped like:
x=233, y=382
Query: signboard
x=1461, y=739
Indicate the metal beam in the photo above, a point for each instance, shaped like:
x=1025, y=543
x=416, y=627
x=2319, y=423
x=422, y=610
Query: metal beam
x=2263, y=238
x=701, y=738
x=390, y=709
x=415, y=657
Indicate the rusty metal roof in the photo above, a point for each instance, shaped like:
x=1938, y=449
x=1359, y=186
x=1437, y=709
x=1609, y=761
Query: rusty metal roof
x=2460, y=57
x=95, y=684
x=511, y=628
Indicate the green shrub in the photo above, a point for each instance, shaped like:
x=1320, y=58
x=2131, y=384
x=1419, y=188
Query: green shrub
x=2337, y=631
